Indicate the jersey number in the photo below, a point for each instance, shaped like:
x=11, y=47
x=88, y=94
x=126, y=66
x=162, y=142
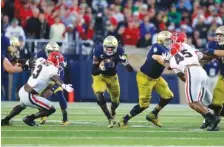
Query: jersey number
x=37, y=72
x=180, y=58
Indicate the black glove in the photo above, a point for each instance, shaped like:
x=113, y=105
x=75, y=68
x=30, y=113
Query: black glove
x=31, y=63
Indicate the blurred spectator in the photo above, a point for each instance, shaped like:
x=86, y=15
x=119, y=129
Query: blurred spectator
x=5, y=23
x=197, y=41
x=184, y=5
x=99, y=27
x=32, y=24
x=201, y=26
x=15, y=30
x=99, y=5
x=174, y=16
x=43, y=27
x=56, y=30
x=131, y=34
x=118, y=15
x=214, y=17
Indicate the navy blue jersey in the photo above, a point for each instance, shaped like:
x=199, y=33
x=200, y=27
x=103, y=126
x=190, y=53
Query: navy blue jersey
x=214, y=45
x=100, y=55
x=151, y=67
x=5, y=43
x=43, y=54
x=212, y=68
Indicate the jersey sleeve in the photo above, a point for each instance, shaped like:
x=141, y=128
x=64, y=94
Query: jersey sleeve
x=97, y=51
x=53, y=71
x=200, y=54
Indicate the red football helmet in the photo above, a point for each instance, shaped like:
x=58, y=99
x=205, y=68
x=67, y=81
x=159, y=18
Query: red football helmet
x=56, y=58
x=175, y=47
x=179, y=37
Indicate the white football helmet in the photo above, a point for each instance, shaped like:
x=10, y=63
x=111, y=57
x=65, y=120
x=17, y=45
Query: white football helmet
x=110, y=45
x=51, y=46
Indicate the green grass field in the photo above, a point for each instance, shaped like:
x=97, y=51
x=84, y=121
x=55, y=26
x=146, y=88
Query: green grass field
x=89, y=128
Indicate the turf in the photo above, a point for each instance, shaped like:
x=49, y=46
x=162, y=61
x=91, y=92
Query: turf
x=89, y=127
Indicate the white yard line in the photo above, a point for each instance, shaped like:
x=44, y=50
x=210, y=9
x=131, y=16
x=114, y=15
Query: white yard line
x=109, y=130
x=30, y=145
x=126, y=138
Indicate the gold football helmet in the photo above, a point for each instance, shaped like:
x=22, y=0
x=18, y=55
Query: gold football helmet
x=52, y=46
x=14, y=47
x=219, y=35
x=164, y=38
x=110, y=45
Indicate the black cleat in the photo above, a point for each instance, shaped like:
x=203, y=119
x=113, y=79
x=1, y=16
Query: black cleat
x=5, y=122
x=29, y=121
x=214, y=124
x=205, y=124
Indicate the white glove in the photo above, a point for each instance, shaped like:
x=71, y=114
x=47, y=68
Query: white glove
x=124, y=60
x=67, y=87
x=102, y=67
x=166, y=56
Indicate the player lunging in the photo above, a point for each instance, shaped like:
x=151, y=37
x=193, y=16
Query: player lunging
x=57, y=90
x=29, y=94
x=149, y=79
x=104, y=74
x=186, y=63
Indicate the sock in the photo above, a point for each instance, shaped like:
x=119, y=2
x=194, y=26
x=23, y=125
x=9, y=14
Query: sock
x=15, y=111
x=222, y=111
x=209, y=116
x=64, y=114
x=106, y=111
x=43, y=113
x=156, y=110
x=114, y=105
x=134, y=111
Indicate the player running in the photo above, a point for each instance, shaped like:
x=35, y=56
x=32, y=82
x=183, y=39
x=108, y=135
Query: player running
x=44, y=72
x=185, y=62
x=104, y=74
x=149, y=79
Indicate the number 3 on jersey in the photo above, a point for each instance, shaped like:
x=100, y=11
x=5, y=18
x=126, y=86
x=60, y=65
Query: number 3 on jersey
x=37, y=71
x=181, y=55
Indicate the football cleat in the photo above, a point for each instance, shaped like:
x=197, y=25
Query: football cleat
x=111, y=124
x=205, y=124
x=154, y=119
x=4, y=122
x=43, y=120
x=29, y=121
x=214, y=124
x=65, y=123
x=122, y=123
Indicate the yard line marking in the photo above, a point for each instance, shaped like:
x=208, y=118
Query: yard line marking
x=121, y=137
x=109, y=130
x=34, y=145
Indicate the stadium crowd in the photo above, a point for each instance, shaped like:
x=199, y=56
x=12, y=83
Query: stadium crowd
x=133, y=22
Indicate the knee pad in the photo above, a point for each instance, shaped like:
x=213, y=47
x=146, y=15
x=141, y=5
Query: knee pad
x=100, y=99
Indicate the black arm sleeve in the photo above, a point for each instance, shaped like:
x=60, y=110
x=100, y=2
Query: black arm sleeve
x=95, y=69
x=129, y=68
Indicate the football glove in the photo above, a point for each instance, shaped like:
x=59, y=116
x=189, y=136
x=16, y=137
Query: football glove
x=209, y=51
x=31, y=63
x=67, y=87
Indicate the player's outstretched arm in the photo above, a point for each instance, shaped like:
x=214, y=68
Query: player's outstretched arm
x=59, y=82
x=159, y=59
x=125, y=62
x=16, y=69
x=219, y=53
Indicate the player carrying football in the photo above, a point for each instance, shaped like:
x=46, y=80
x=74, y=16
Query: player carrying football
x=29, y=94
x=149, y=79
x=104, y=74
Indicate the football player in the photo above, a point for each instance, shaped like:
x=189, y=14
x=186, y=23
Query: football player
x=187, y=62
x=43, y=73
x=57, y=90
x=216, y=49
x=149, y=79
x=104, y=74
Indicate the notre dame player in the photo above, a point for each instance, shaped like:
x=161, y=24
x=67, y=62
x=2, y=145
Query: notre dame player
x=217, y=48
x=149, y=79
x=104, y=74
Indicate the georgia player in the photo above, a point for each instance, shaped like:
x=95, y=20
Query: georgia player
x=187, y=62
x=44, y=72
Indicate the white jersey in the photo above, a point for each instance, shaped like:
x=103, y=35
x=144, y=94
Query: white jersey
x=186, y=46
x=183, y=58
x=40, y=77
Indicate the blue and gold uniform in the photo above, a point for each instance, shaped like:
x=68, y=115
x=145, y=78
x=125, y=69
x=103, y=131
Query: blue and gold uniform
x=104, y=74
x=149, y=79
x=58, y=91
x=218, y=95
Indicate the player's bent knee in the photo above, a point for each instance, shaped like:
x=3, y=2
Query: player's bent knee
x=144, y=105
x=52, y=110
x=100, y=99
